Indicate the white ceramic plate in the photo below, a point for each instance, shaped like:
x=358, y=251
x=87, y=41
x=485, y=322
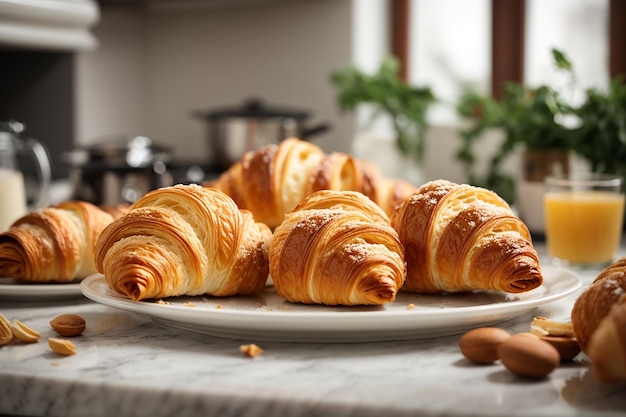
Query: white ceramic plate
x=11, y=289
x=268, y=317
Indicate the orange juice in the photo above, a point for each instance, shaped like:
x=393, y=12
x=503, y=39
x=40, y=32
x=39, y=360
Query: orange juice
x=583, y=227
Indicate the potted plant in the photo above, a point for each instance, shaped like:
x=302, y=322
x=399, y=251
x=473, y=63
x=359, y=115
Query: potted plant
x=533, y=119
x=405, y=105
x=601, y=137
x=548, y=129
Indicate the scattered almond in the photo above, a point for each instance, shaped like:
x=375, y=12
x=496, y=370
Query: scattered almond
x=528, y=357
x=251, y=350
x=68, y=325
x=567, y=346
x=6, y=332
x=541, y=326
x=480, y=345
x=62, y=346
x=23, y=333
x=558, y=334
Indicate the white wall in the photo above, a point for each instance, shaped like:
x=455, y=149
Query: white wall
x=111, y=81
x=154, y=68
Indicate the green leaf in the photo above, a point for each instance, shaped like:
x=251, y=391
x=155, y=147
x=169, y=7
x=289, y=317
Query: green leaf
x=561, y=60
x=406, y=105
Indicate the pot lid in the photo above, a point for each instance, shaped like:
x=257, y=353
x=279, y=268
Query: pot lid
x=254, y=108
x=129, y=151
x=12, y=126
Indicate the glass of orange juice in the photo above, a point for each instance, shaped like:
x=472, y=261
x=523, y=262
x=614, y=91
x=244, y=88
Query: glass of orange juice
x=584, y=214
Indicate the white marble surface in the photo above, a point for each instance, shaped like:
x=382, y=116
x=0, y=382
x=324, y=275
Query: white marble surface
x=127, y=365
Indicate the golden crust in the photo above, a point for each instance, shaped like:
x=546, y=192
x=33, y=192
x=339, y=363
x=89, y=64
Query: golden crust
x=461, y=238
x=335, y=171
x=55, y=244
x=272, y=180
x=607, y=345
x=337, y=247
x=595, y=303
x=184, y=240
x=115, y=210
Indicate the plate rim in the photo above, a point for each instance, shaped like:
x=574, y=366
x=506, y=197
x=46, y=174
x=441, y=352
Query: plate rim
x=39, y=290
x=571, y=282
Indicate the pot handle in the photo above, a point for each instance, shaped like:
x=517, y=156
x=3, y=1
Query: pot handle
x=315, y=130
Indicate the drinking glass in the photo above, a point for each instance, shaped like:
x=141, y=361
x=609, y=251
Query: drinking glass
x=584, y=214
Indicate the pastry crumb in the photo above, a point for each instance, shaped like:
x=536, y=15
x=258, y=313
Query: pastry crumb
x=54, y=363
x=251, y=350
x=218, y=307
x=189, y=304
x=162, y=302
x=410, y=306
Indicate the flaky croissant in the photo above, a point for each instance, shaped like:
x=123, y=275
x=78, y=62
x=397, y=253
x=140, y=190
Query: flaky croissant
x=337, y=247
x=54, y=244
x=184, y=240
x=460, y=238
x=595, y=303
x=607, y=346
x=271, y=181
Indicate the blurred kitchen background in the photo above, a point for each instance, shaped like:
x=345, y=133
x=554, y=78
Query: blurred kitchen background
x=79, y=72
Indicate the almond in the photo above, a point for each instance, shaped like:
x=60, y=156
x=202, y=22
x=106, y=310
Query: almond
x=23, y=333
x=542, y=326
x=6, y=333
x=251, y=350
x=62, y=346
x=68, y=325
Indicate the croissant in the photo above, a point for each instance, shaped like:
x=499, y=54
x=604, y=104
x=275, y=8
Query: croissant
x=271, y=181
x=54, y=244
x=115, y=210
x=337, y=248
x=184, y=240
x=595, y=303
x=607, y=345
x=388, y=193
x=460, y=238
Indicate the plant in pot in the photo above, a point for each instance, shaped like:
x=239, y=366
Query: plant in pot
x=601, y=137
x=533, y=120
x=406, y=106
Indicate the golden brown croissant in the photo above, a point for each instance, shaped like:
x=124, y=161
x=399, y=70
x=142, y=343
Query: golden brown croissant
x=461, y=238
x=607, y=346
x=595, y=303
x=388, y=193
x=55, y=244
x=184, y=240
x=337, y=247
x=115, y=210
x=272, y=180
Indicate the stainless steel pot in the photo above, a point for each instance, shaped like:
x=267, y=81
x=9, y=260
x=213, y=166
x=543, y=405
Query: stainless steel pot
x=118, y=169
x=232, y=131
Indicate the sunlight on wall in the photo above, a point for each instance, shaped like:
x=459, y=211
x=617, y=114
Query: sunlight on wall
x=578, y=28
x=450, y=50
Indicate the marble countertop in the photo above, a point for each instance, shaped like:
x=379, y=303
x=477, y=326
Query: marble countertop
x=128, y=365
